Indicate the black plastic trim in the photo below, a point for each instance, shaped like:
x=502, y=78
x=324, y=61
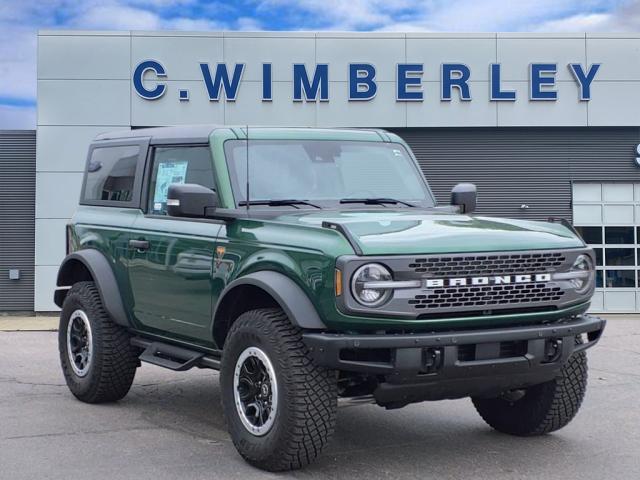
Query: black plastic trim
x=103, y=276
x=344, y=230
x=293, y=300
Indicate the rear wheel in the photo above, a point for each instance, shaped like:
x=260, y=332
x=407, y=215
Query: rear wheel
x=542, y=408
x=280, y=407
x=97, y=360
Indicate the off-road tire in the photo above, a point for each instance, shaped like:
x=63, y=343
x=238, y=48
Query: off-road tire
x=544, y=408
x=113, y=362
x=308, y=398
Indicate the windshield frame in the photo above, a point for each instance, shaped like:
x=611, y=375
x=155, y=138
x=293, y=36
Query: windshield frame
x=429, y=200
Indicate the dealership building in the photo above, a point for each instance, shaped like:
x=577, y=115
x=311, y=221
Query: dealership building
x=544, y=125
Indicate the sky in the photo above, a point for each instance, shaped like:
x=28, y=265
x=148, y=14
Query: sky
x=21, y=19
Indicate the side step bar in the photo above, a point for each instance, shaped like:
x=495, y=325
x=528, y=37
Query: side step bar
x=173, y=357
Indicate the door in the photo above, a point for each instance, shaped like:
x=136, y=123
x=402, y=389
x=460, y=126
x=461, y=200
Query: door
x=171, y=259
x=607, y=215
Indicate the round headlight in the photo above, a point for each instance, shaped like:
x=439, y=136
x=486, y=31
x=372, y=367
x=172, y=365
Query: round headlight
x=363, y=285
x=582, y=264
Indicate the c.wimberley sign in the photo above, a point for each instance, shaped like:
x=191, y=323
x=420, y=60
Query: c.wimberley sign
x=311, y=84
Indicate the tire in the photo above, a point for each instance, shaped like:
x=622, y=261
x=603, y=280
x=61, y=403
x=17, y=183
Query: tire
x=306, y=395
x=544, y=408
x=110, y=362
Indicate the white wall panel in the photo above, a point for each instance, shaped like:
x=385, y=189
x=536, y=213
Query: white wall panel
x=83, y=57
x=281, y=51
x=179, y=55
x=250, y=109
x=619, y=58
x=57, y=194
x=338, y=52
x=45, y=285
x=382, y=111
x=50, y=240
x=515, y=55
x=614, y=104
x=168, y=110
x=433, y=52
x=83, y=102
x=566, y=111
x=64, y=148
x=455, y=113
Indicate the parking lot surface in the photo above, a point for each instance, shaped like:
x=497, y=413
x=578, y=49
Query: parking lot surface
x=171, y=426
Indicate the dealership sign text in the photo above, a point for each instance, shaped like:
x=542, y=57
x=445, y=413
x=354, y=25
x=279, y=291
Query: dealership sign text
x=311, y=84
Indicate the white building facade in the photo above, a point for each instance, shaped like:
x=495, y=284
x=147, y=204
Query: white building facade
x=546, y=125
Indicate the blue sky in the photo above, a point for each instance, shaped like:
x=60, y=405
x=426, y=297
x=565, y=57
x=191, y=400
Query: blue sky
x=20, y=20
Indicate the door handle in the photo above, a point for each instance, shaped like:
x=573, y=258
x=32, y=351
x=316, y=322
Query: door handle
x=139, y=245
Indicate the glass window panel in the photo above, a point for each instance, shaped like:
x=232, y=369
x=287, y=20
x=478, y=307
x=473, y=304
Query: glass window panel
x=590, y=234
x=111, y=173
x=599, y=275
x=618, y=235
x=178, y=165
x=620, y=256
x=620, y=278
x=598, y=256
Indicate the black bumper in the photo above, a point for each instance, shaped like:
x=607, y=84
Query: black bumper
x=433, y=366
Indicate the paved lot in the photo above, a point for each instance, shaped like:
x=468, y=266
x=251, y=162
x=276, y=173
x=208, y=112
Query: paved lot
x=170, y=426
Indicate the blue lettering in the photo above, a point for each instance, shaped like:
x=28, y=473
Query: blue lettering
x=138, y=77
x=584, y=79
x=409, y=75
x=362, y=75
x=538, y=78
x=495, y=90
x=309, y=89
x=266, y=82
x=221, y=80
x=459, y=81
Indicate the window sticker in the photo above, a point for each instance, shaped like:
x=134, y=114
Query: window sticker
x=168, y=173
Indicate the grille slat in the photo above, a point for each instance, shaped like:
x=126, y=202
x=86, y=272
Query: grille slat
x=488, y=264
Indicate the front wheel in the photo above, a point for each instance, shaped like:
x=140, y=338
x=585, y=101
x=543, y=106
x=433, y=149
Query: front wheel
x=280, y=407
x=541, y=408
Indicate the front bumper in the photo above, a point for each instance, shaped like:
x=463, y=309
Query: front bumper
x=433, y=366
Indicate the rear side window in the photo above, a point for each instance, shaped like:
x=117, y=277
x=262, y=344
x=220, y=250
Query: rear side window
x=178, y=165
x=111, y=174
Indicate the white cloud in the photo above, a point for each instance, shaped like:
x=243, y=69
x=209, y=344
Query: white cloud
x=116, y=17
x=17, y=118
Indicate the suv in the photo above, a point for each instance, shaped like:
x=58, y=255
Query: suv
x=310, y=266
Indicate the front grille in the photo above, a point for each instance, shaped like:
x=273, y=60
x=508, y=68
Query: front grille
x=486, y=296
x=501, y=264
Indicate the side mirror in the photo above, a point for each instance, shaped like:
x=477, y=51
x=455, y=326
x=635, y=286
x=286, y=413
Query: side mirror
x=465, y=196
x=190, y=200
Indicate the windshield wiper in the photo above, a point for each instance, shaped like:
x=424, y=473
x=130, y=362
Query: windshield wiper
x=375, y=201
x=278, y=203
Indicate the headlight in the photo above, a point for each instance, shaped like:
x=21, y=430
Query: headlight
x=364, y=288
x=583, y=272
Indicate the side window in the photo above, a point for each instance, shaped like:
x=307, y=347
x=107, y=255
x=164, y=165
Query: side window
x=177, y=165
x=111, y=174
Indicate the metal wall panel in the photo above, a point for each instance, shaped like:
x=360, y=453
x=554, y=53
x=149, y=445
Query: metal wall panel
x=17, y=218
x=523, y=166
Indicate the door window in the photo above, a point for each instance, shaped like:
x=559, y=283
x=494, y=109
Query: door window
x=178, y=165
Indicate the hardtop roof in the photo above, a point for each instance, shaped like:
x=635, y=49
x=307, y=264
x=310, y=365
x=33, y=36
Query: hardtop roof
x=201, y=133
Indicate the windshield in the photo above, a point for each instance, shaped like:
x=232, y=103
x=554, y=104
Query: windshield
x=326, y=172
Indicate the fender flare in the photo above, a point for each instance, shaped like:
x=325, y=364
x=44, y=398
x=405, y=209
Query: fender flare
x=102, y=273
x=291, y=298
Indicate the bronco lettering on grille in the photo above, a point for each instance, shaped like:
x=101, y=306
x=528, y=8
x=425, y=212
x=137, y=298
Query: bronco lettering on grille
x=492, y=280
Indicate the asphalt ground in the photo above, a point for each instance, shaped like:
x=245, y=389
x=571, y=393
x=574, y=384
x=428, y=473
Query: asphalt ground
x=170, y=426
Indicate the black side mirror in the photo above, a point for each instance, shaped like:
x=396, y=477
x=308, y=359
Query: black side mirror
x=465, y=196
x=190, y=200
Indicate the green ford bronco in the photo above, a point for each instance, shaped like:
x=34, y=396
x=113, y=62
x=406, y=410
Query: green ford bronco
x=312, y=267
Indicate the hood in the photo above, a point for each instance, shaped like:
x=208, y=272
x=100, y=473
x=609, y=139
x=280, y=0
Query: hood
x=397, y=232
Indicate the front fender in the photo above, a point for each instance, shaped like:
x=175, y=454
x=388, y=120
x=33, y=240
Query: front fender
x=91, y=265
x=291, y=298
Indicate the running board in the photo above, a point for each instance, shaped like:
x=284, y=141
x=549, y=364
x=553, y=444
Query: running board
x=173, y=357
